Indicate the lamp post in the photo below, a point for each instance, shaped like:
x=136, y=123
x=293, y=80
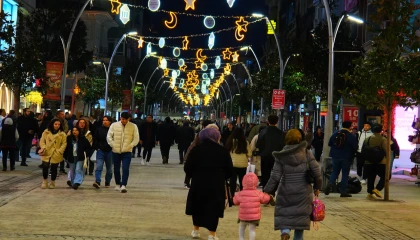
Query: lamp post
x=145, y=90
x=259, y=67
x=133, y=84
x=331, y=42
x=141, y=63
x=66, y=54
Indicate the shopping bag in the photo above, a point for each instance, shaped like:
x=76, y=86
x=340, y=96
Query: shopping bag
x=93, y=157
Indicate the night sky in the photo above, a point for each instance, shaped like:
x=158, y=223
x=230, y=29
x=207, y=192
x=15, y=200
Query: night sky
x=187, y=25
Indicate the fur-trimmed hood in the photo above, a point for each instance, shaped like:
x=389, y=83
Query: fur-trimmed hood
x=292, y=154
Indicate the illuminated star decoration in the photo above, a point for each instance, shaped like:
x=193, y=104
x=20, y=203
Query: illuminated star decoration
x=198, y=64
x=183, y=68
x=115, y=6
x=185, y=43
x=189, y=4
x=141, y=42
x=235, y=57
x=241, y=26
x=226, y=54
x=166, y=72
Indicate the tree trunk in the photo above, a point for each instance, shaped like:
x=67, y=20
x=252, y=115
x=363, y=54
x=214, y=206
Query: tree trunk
x=16, y=100
x=388, y=150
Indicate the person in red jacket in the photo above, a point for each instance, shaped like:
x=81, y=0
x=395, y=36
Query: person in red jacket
x=249, y=201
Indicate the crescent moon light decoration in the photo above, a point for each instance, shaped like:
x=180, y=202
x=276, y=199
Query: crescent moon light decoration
x=241, y=27
x=174, y=21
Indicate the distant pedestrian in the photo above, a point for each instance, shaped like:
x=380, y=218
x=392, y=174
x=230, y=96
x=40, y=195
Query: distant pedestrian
x=318, y=143
x=309, y=136
x=209, y=165
x=103, y=153
x=166, y=137
x=148, y=138
x=294, y=193
x=53, y=144
x=8, y=137
x=65, y=128
x=343, y=146
x=2, y=115
x=249, y=201
x=184, y=137
x=226, y=132
x=27, y=126
x=122, y=137
x=138, y=121
x=78, y=148
x=364, y=134
x=269, y=140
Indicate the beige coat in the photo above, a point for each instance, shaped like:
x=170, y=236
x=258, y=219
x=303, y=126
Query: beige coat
x=54, y=145
x=241, y=160
x=121, y=138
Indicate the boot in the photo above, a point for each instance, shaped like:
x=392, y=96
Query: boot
x=52, y=184
x=165, y=160
x=44, y=184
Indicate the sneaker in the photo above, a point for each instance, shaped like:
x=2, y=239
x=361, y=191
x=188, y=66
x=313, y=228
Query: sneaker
x=117, y=188
x=212, y=238
x=23, y=164
x=187, y=186
x=69, y=183
x=377, y=193
x=327, y=189
x=363, y=182
x=76, y=186
x=52, y=184
x=195, y=234
x=12, y=169
x=285, y=236
x=107, y=185
x=44, y=184
x=147, y=163
x=371, y=197
x=142, y=162
x=97, y=185
x=123, y=189
x=345, y=195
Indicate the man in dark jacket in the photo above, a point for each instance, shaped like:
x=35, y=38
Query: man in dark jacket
x=342, y=152
x=27, y=126
x=138, y=121
x=103, y=153
x=227, y=131
x=184, y=137
x=148, y=138
x=165, y=137
x=270, y=139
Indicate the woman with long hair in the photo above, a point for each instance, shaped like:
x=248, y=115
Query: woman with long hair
x=240, y=151
x=83, y=126
x=77, y=149
x=53, y=144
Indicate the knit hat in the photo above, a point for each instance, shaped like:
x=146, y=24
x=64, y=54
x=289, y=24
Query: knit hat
x=209, y=134
x=213, y=126
x=8, y=121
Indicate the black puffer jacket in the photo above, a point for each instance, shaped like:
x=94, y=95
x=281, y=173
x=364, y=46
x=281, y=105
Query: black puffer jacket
x=83, y=146
x=99, y=139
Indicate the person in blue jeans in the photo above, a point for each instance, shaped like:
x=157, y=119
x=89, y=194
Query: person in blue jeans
x=122, y=137
x=343, y=147
x=78, y=148
x=103, y=153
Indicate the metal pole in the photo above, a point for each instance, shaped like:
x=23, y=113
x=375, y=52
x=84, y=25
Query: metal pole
x=109, y=68
x=132, y=96
x=145, y=90
x=66, y=55
x=141, y=63
x=237, y=84
x=154, y=89
x=258, y=62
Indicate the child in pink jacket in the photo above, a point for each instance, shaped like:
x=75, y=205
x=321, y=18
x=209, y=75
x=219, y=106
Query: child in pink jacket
x=249, y=201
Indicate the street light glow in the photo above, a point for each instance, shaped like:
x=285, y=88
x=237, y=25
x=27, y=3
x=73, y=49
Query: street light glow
x=244, y=48
x=259, y=15
x=134, y=33
x=355, y=19
x=97, y=62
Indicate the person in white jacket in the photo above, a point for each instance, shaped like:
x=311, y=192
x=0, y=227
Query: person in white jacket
x=122, y=137
x=362, y=135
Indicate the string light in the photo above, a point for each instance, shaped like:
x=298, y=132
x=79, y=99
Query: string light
x=189, y=4
x=212, y=39
x=161, y=42
x=241, y=26
x=235, y=57
x=141, y=42
x=209, y=22
x=227, y=54
x=154, y=5
x=115, y=6
x=230, y=3
x=199, y=55
x=174, y=21
x=185, y=43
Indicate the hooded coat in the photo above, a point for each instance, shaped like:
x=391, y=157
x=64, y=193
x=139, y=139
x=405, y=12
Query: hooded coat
x=294, y=193
x=250, y=199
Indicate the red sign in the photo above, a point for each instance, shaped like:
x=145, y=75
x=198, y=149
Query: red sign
x=54, y=73
x=126, y=103
x=351, y=114
x=278, y=99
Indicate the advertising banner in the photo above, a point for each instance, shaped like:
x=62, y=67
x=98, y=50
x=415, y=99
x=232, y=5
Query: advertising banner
x=54, y=73
x=351, y=114
x=126, y=103
x=278, y=99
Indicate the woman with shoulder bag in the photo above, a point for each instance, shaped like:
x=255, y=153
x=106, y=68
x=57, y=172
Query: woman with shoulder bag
x=256, y=158
x=240, y=151
x=294, y=192
x=53, y=143
x=77, y=150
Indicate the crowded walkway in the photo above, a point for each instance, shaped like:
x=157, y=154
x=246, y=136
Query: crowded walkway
x=154, y=208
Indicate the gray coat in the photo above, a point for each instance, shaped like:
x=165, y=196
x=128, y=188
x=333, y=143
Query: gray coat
x=294, y=193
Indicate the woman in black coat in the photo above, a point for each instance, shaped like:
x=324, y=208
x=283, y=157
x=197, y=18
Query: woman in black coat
x=209, y=165
x=184, y=137
x=76, y=158
x=318, y=143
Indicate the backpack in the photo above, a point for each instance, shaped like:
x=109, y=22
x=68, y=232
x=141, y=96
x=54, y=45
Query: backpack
x=353, y=185
x=372, y=154
x=340, y=139
x=318, y=210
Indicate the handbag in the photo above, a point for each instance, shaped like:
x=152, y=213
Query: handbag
x=415, y=156
x=93, y=157
x=318, y=210
x=85, y=164
x=309, y=177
